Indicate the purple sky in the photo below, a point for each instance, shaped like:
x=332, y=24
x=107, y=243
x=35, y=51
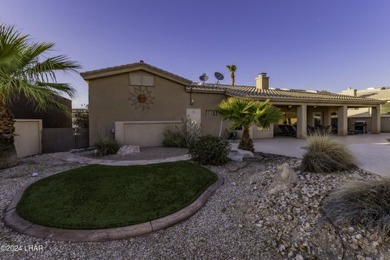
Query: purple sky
x=306, y=44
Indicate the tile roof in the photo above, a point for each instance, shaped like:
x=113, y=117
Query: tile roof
x=280, y=94
x=378, y=93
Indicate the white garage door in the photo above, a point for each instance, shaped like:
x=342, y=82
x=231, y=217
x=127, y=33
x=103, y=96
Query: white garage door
x=28, y=137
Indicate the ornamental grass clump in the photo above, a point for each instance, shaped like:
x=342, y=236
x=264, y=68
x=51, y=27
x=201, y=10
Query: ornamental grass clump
x=361, y=202
x=183, y=135
x=107, y=146
x=325, y=155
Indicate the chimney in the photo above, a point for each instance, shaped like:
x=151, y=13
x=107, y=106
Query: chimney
x=350, y=92
x=262, y=81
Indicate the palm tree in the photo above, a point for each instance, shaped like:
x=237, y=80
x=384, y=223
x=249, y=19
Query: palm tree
x=245, y=112
x=26, y=70
x=232, y=69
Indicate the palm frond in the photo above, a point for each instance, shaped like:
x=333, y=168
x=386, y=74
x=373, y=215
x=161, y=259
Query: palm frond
x=26, y=70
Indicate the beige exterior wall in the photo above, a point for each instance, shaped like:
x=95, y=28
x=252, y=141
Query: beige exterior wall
x=359, y=112
x=210, y=121
x=142, y=133
x=258, y=133
x=28, y=139
x=109, y=103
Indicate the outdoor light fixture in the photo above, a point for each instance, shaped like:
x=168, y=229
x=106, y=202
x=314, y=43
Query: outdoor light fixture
x=289, y=107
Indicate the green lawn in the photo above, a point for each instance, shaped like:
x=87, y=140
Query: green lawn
x=98, y=196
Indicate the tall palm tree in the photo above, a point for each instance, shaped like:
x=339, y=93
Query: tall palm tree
x=246, y=112
x=26, y=70
x=232, y=69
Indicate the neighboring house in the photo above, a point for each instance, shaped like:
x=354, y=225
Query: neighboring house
x=136, y=102
x=364, y=114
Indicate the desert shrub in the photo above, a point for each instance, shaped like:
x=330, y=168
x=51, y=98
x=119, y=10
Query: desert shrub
x=361, y=202
x=106, y=146
x=326, y=155
x=173, y=138
x=183, y=135
x=210, y=150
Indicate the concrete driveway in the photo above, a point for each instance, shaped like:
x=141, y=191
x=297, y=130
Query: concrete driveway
x=372, y=151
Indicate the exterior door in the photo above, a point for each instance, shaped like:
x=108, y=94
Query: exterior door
x=28, y=137
x=194, y=114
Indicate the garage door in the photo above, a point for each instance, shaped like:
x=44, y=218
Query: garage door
x=28, y=137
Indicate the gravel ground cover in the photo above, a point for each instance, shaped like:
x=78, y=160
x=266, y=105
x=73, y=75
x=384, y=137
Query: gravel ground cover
x=241, y=220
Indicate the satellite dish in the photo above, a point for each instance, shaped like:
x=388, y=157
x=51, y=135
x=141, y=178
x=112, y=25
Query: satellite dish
x=204, y=77
x=219, y=76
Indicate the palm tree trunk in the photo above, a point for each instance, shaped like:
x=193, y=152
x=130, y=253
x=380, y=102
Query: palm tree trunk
x=233, y=79
x=8, y=156
x=246, y=142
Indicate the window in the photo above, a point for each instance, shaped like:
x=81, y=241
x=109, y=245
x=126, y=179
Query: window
x=136, y=79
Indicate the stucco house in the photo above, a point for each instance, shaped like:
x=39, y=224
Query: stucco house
x=135, y=103
x=364, y=114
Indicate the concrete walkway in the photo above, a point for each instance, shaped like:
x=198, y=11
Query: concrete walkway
x=372, y=151
x=74, y=157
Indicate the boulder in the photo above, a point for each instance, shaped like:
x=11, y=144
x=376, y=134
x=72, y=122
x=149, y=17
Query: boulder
x=238, y=155
x=128, y=149
x=284, y=179
x=235, y=156
x=245, y=154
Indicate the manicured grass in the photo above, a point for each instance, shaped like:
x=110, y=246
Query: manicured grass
x=98, y=196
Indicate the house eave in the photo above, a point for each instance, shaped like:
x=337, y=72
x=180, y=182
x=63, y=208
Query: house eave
x=111, y=71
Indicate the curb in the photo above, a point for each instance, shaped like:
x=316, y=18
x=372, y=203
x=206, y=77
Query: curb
x=17, y=223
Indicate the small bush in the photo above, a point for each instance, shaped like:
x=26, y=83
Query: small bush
x=210, y=150
x=326, y=155
x=107, y=146
x=173, y=138
x=183, y=135
x=361, y=202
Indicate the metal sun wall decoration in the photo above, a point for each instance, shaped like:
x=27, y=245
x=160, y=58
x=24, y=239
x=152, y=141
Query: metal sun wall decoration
x=141, y=97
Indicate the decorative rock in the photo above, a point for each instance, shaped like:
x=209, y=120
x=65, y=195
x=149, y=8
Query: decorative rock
x=128, y=149
x=35, y=174
x=234, y=156
x=245, y=154
x=357, y=176
x=238, y=155
x=285, y=179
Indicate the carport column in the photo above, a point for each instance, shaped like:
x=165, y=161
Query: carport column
x=302, y=121
x=342, y=120
x=376, y=120
x=327, y=117
x=310, y=117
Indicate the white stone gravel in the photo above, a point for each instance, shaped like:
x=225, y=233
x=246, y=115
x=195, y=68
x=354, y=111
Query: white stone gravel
x=241, y=221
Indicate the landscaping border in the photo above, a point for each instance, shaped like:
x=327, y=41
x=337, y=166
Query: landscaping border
x=17, y=223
